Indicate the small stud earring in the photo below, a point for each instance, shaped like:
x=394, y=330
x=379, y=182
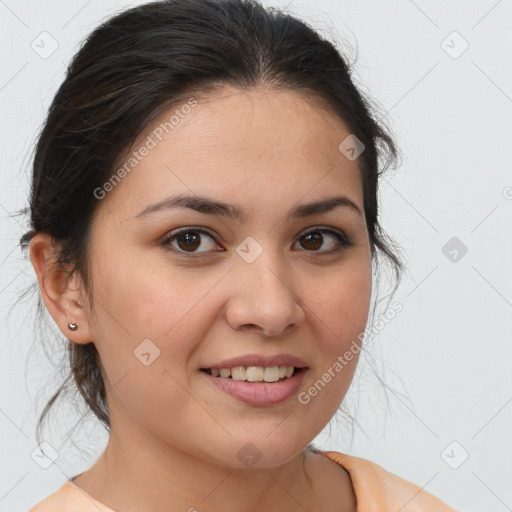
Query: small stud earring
x=72, y=327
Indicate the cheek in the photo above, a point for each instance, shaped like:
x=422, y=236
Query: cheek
x=156, y=315
x=340, y=312
x=342, y=302
x=145, y=341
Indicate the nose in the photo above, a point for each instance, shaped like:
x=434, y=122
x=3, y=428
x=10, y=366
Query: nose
x=263, y=300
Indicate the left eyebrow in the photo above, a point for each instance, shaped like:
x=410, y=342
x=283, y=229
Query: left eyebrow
x=234, y=211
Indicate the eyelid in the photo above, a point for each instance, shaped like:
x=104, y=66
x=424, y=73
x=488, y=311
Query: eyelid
x=185, y=229
x=321, y=227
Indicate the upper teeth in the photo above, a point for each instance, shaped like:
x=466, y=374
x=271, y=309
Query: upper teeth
x=254, y=373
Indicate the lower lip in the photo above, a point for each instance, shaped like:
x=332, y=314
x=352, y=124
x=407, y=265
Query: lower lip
x=259, y=393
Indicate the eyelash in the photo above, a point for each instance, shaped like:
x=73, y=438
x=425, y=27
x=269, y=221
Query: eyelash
x=343, y=239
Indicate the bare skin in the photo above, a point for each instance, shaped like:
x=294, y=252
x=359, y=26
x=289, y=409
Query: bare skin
x=174, y=435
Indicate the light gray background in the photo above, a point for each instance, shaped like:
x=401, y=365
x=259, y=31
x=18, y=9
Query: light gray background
x=449, y=350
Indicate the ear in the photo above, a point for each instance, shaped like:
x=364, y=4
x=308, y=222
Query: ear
x=61, y=293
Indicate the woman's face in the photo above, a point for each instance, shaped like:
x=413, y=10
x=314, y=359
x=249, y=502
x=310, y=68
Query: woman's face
x=244, y=289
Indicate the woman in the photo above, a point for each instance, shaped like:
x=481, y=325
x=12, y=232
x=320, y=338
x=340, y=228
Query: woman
x=204, y=228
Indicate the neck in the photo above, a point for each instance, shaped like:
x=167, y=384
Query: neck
x=153, y=476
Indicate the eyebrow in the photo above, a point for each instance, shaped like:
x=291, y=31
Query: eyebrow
x=234, y=211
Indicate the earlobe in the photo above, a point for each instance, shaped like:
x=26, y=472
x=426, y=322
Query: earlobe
x=60, y=291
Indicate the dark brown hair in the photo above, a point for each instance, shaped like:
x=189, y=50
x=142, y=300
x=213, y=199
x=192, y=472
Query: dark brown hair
x=143, y=60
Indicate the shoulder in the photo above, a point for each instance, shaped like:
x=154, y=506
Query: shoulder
x=69, y=498
x=60, y=500
x=379, y=489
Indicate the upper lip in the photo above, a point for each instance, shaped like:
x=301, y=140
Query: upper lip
x=260, y=360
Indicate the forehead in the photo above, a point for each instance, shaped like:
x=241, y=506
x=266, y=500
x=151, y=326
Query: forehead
x=258, y=145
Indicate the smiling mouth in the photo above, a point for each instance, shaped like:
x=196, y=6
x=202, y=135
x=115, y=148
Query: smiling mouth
x=254, y=373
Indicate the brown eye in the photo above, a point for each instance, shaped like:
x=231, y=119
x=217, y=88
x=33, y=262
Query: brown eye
x=189, y=240
x=332, y=241
x=312, y=241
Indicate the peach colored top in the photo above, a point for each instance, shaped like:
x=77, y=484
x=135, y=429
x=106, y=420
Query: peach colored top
x=376, y=490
